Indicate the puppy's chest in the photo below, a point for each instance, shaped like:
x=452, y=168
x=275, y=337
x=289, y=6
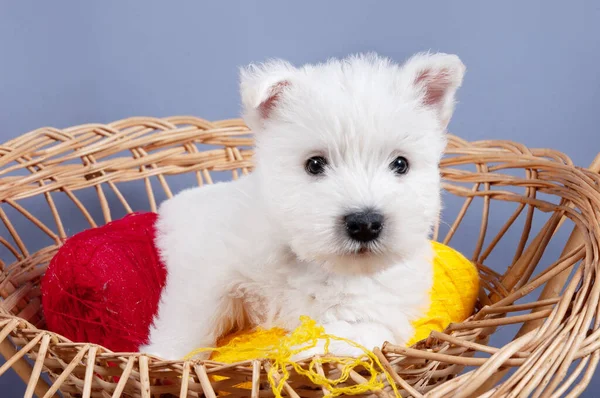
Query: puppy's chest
x=285, y=298
x=327, y=293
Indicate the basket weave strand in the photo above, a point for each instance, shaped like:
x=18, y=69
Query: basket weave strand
x=533, y=204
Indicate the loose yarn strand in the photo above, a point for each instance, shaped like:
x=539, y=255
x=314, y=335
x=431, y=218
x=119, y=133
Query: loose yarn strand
x=282, y=347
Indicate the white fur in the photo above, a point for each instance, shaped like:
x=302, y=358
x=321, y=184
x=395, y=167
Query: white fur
x=270, y=247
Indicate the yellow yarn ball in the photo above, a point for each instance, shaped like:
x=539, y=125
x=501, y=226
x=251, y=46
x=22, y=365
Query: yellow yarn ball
x=453, y=296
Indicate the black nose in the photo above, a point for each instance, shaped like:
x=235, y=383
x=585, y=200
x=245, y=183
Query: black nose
x=364, y=226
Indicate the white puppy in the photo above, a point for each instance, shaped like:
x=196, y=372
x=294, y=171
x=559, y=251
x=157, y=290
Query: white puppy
x=334, y=221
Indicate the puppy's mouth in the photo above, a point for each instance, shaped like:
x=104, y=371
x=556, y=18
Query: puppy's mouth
x=363, y=251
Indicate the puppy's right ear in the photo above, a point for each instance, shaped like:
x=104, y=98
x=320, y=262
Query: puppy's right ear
x=261, y=89
x=435, y=79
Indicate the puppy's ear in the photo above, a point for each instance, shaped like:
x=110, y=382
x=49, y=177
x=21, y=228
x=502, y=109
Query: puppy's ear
x=435, y=79
x=262, y=88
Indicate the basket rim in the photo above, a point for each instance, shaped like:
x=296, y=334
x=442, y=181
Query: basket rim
x=227, y=133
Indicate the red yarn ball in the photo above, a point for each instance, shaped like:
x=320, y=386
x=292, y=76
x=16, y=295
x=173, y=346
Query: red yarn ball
x=104, y=284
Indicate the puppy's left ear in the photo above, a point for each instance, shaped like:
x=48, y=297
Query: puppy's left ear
x=435, y=78
x=262, y=88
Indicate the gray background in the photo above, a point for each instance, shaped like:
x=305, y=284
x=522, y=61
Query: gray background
x=532, y=66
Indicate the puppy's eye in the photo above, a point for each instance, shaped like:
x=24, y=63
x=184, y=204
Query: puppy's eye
x=316, y=165
x=399, y=165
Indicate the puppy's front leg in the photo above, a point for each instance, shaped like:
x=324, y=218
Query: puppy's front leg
x=202, y=236
x=181, y=326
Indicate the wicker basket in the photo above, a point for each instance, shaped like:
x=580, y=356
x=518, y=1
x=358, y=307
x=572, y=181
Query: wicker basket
x=547, y=297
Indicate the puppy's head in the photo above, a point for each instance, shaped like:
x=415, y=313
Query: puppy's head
x=347, y=154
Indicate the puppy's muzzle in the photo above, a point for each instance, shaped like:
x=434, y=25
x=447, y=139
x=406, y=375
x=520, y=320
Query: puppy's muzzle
x=365, y=226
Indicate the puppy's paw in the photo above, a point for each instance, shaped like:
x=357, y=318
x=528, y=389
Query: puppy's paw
x=336, y=348
x=367, y=335
x=152, y=349
x=170, y=353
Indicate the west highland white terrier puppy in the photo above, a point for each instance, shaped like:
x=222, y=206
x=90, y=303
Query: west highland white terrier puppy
x=334, y=222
